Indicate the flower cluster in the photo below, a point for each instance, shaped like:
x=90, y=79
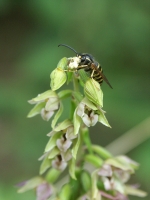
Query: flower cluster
x=46, y=105
x=109, y=175
x=60, y=148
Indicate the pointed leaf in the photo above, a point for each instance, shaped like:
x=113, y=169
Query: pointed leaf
x=102, y=119
x=64, y=93
x=43, y=96
x=72, y=168
x=118, y=164
x=134, y=191
x=57, y=115
x=89, y=103
x=63, y=125
x=95, y=192
x=77, y=122
x=76, y=146
x=30, y=184
x=36, y=109
x=46, y=163
x=52, y=141
x=55, y=151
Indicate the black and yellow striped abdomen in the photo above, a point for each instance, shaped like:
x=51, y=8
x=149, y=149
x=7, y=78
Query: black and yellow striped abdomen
x=96, y=74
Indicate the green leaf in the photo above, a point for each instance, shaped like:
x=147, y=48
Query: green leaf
x=77, y=96
x=63, y=125
x=101, y=151
x=65, y=192
x=102, y=119
x=95, y=192
x=118, y=164
x=127, y=161
x=43, y=96
x=94, y=160
x=36, y=109
x=72, y=168
x=93, y=92
x=30, y=184
x=64, y=93
x=52, y=175
x=77, y=122
x=55, y=151
x=57, y=115
x=58, y=78
x=52, y=141
x=89, y=103
x=46, y=163
x=134, y=191
x=76, y=146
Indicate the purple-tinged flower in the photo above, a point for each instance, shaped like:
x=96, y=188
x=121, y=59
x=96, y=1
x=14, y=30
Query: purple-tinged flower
x=58, y=163
x=44, y=191
x=105, y=171
x=66, y=156
x=46, y=105
x=46, y=115
x=89, y=116
x=63, y=143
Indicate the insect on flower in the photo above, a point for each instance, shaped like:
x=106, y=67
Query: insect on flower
x=89, y=64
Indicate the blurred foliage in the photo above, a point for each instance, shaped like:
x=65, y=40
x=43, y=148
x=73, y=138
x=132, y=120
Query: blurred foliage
x=116, y=32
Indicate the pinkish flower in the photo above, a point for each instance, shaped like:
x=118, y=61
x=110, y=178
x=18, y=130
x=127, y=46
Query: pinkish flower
x=58, y=163
x=89, y=117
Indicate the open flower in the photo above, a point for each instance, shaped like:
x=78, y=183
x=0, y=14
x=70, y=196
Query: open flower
x=60, y=148
x=44, y=190
x=58, y=163
x=116, y=172
x=46, y=105
x=89, y=117
x=63, y=143
x=90, y=114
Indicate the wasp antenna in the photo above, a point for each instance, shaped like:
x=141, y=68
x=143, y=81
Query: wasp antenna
x=68, y=47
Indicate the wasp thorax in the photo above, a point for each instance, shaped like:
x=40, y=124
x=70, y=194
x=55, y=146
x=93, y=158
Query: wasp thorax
x=74, y=63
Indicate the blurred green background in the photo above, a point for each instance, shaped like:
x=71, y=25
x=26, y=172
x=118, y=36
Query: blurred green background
x=116, y=32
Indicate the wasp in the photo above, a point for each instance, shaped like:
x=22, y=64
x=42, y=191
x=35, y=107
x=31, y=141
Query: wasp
x=89, y=64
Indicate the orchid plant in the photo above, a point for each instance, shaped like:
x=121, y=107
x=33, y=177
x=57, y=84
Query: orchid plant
x=69, y=148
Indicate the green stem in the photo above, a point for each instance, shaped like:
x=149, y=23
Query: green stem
x=75, y=84
x=86, y=139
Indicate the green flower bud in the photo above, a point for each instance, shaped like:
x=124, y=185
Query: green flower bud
x=94, y=160
x=93, y=92
x=86, y=181
x=101, y=151
x=58, y=76
x=65, y=192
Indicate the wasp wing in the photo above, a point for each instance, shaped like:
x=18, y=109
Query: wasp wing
x=105, y=79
